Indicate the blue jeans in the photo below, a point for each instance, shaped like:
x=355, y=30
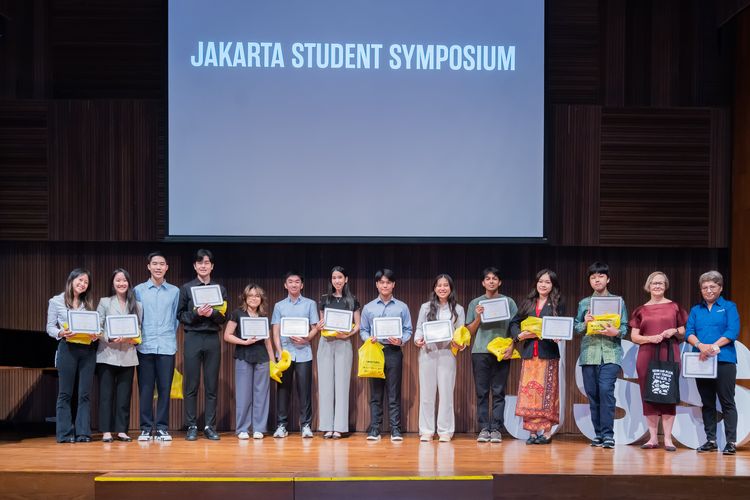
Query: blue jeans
x=599, y=382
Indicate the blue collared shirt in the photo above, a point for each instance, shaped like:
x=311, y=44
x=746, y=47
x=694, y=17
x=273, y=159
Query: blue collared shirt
x=300, y=308
x=392, y=309
x=722, y=320
x=159, y=317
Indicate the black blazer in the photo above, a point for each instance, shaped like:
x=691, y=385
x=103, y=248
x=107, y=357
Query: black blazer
x=547, y=348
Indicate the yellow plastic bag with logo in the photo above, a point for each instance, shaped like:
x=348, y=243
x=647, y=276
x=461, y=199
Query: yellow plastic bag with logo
x=371, y=360
x=532, y=324
x=601, y=321
x=499, y=345
x=276, y=369
x=462, y=337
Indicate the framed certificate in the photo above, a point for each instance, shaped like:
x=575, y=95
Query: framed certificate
x=495, y=309
x=206, y=295
x=606, y=305
x=385, y=328
x=122, y=326
x=295, y=327
x=253, y=327
x=693, y=367
x=84, y=322
x=557, y=328
x=338, y=320
x=437, y=331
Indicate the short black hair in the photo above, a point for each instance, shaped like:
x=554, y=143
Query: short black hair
x=201, y=253
x=599, y=268
x=490, y=270
x=155, y=253
x=291, y=273
x=385, y=273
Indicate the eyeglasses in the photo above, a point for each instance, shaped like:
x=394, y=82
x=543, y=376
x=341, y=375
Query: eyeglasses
x=710, y=288
x=658, y=283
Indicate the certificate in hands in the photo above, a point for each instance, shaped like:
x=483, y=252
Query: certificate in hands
x=338, y=320
x=495, y=309
x=557, y=328
x=606, y=305
x=693, y=367
x=206, y=295
x=253, y=327
x=295, y=327
x=122, y=326
x=387, y=327
x=437, y=331
x=84, y=322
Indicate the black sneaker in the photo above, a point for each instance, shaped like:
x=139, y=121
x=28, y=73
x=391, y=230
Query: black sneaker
x=708, y=446
x=192, y=433
x=608, y=443
x=597, y=441
x=396, y=436
x=373, y=435
x=210, y=433
x=730, y=449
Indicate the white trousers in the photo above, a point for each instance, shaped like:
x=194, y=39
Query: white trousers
x=437, y=373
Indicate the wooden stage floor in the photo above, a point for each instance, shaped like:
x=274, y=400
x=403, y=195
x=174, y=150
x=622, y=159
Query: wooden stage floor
x=30, y=459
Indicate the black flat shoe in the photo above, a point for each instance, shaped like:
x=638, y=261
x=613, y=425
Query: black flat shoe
x=707, y=446
x=67, y=440
x=532, y=439
x=83, y=439
x=730, y=449
x=125, y=439
x=543, y=440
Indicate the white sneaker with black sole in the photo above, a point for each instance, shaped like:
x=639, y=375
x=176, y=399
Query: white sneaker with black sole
x=144, y=436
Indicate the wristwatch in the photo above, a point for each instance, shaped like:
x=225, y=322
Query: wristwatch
x=715, y=348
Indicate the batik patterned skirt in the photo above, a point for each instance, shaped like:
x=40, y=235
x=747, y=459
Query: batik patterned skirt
x=538, y=394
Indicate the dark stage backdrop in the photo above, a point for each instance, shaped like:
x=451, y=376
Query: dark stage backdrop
x=638, y=157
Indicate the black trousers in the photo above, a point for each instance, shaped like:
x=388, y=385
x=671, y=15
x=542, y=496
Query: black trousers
x=115, y=389
x=155, y=370
x=75, y=363
x=490, y=374
x=723, y=387
x=392, y=385
x=201, y=350
x=303, y=373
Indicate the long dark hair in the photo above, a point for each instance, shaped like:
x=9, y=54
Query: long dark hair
x=130, y=295
x=435, y=301
x=346, y=293
x=528, y=306
x=84, y=298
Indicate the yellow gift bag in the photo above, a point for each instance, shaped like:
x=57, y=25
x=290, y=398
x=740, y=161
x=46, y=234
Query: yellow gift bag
x=175, y=391
x=532, y=324
x=462, y=336
x=600, y=323
x=277, y=369
x=499, y=345
x=371, y=360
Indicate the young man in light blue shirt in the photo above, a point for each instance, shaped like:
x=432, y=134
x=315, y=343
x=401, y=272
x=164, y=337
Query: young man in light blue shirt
x=156, y=354
x=386, y=306
x=295, y=306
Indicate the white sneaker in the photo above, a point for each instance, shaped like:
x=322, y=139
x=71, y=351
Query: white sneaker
x=243, y=435
x=257, y=435
x=281, y=431
x=425, y=438
x=444, y=438
x=162, y=435
x=144, y=436
x=306, y=431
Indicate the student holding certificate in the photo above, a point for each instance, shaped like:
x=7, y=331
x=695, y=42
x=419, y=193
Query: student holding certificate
x=75, y=355
x=116, y=358
x=488, y=373
x=156, y=353
x=652, y=325
x=298, y=345
x=437, y=364
x=541, y=360
x=601, y=355
x=335, y=354
x=386, y=306
x=252, y=386
x=202, y=322
x=712, y=328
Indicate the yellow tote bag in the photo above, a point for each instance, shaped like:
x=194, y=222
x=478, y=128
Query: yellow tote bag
x=277, y=369
x=532, y=324
x=601, y=322
x=176, y=389
x=371, y=360
x=499, y=345
x=462, y=336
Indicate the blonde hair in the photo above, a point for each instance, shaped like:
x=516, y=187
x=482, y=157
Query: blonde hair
x=651, y=277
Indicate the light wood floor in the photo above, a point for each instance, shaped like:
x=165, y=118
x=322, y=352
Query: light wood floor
x=354, y=456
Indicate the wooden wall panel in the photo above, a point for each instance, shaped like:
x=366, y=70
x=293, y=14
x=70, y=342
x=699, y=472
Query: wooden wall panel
x=415, y=265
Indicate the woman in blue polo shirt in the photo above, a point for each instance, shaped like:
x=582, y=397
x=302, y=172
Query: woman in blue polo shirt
x=712, y=328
